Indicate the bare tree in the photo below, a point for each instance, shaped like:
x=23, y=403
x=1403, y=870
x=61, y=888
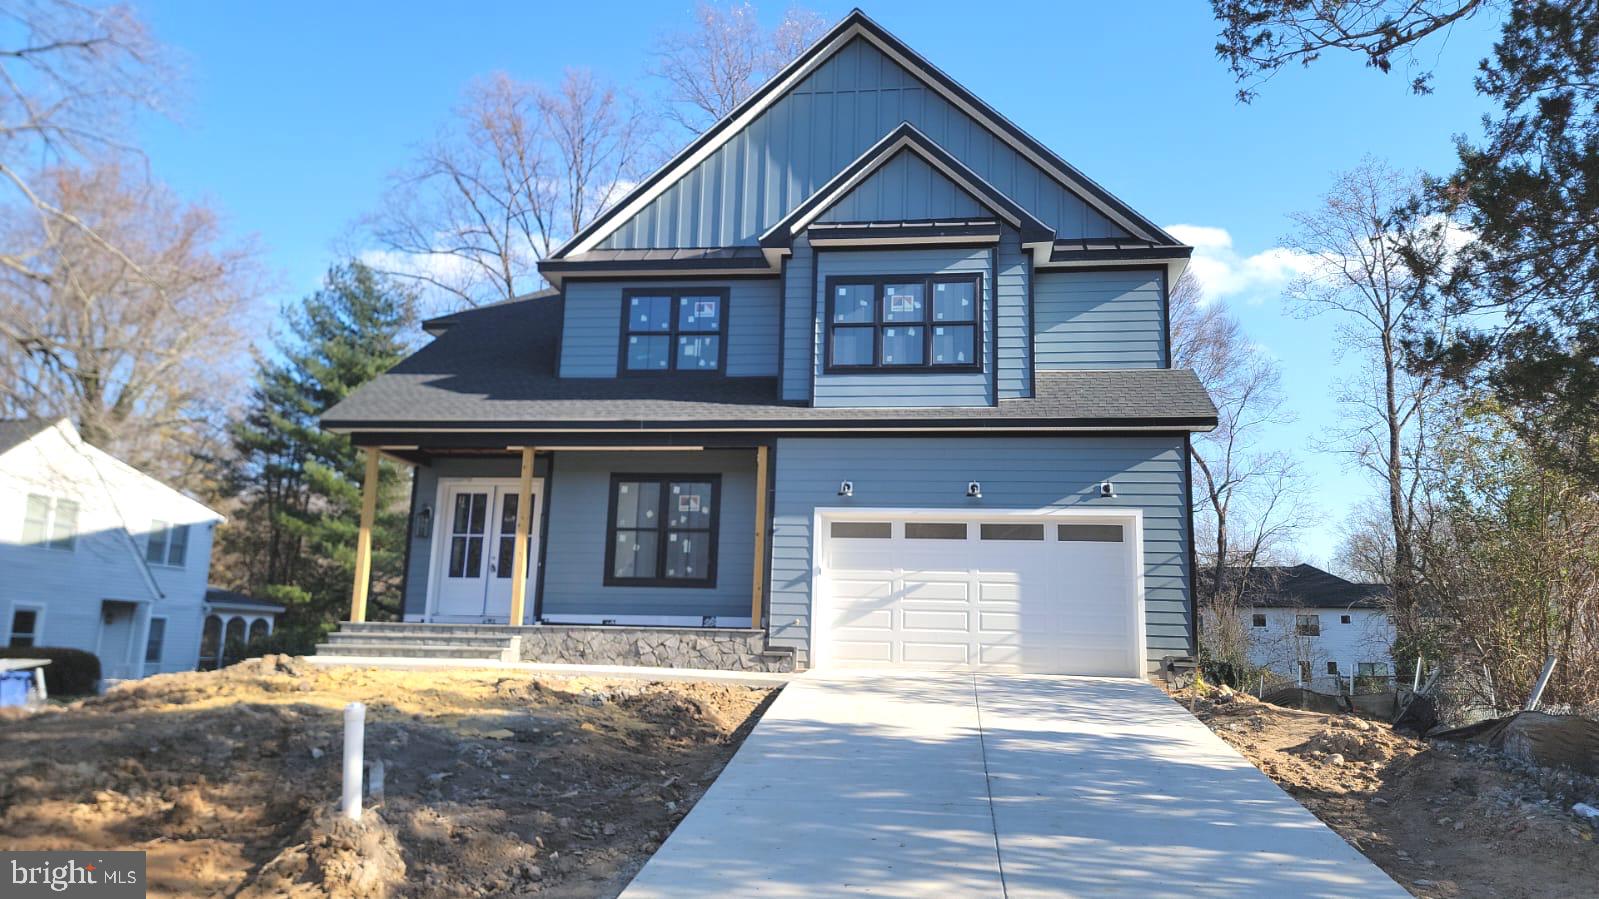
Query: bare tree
x=138, y=345
x=1361, y=275
x=712, y=66
x=72, y=76
x=519, y=169
x=1248, y=501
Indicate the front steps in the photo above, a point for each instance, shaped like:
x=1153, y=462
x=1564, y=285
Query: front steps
x=408, y=640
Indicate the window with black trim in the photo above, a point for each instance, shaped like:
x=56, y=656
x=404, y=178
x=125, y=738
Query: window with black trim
x=673, y=330
x=662, y=530
x=898, y=322
x=1257, y=620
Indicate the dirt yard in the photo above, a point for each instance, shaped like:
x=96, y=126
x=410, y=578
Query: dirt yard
x=495, y=784
x=1443, y=819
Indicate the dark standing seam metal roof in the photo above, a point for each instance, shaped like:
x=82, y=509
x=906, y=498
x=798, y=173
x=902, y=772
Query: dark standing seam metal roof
x=494, y=368
x=1308, y=587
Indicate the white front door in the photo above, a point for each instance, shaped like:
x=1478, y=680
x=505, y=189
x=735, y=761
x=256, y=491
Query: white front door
x=474, y=556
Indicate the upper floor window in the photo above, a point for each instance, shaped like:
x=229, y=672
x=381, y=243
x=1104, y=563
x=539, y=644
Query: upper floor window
x=1307, y=625
x=168, y=544
x=50, y=521
x=891, y=323
x=673, y=330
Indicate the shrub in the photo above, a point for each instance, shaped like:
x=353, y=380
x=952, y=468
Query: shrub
x=71, y=672
x=285, y=641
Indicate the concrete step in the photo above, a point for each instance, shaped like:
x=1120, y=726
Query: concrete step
x=388, y=650
x=414, y=639
x=413, y=627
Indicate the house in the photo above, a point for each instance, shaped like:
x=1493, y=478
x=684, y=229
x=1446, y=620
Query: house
x=97, y=555
x=232, y=619
x=1316, y=628
x=864, y=375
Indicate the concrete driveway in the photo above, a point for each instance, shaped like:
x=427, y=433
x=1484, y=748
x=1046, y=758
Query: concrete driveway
x=995, y=785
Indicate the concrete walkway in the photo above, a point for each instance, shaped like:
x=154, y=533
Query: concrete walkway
x=995, y=785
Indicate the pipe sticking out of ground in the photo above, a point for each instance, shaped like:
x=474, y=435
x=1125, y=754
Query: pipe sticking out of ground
x=354, y=739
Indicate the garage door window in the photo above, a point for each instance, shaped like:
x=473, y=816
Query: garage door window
x=1011, y=532
x=662, y=531
x=935, y=530
x=862, y=530
x=1089, y=533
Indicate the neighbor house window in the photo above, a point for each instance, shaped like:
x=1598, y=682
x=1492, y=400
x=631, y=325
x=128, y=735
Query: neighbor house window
x=1332, y=667
x=662, y=531
x=1343, y=619
x=168, y=544
x=673, y=330
x=50, y=522
x=1307, y=625
x=927, y=322
x=156, y=642
x=1372, y=669
x=24, y=627
x=1257, y=620
x=1304, y=672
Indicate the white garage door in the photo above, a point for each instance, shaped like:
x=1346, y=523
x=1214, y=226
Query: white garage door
x=1042, y=596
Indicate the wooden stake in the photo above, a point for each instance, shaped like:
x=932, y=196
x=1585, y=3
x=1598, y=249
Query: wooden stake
x=524, y=516
x=363, y=539
x=758, y=588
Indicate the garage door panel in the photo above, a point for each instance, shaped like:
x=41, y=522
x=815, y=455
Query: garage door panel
x=857, y=618
x=927, y=653
x=929, y=620
x=917, y=588
x=863, y=651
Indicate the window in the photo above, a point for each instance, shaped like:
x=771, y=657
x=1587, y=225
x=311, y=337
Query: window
x=24, y=627
x=1088, y=533
x=861, y=530
x=1332, y=667
x=50, y=522
x=1372, y=669
x=1343, y=619
x=1011, y=532
x=1257, y=620
x=662, y=530
x=1304, y=672
x=156, y=641
x=927, y=322
x=167, y=544
x=935, y=530
x=673, y=330
x=1307, y=625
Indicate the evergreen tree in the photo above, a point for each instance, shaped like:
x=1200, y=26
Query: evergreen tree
x=298, y=487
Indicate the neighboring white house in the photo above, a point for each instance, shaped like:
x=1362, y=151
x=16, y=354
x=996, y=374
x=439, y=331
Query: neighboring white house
x=1316, y=628
x=98, y=556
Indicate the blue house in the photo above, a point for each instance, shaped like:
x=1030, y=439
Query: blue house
x=864, y=376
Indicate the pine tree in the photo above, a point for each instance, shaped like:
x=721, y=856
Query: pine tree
x=298, y=487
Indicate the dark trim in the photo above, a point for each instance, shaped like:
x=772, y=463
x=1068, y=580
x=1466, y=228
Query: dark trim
x=910, y=229
x=405, y=559
x=1032, y=325
x=1130, y=254
x=990, y=357
x=674, y=298
x=1127, y=267
x=816, y=327
x=1193, y=560
x=713, y=533
x=691, y=277
x=1165, y=320
x=689, y=264
x=782, y=327
x=771, y=524
x=516, y=432
x=442, y=444
x=927, y=323
x=544, y=535
x=560, y=337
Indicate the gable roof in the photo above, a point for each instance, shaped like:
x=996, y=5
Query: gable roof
x=906, y=138
x=858, y=25
x=1308, y=587
x=16, y=431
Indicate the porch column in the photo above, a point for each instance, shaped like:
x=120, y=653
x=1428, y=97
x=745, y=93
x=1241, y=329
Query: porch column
x=363, y=539
x=758, y=588
x=524, y=516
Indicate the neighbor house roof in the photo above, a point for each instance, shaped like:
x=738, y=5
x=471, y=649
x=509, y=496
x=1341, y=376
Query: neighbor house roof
x=216, y=596
x=16, y=431
x=495, y=368
x=1309, y=587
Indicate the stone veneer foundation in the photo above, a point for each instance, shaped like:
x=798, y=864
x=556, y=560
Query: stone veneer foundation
x=725, y=648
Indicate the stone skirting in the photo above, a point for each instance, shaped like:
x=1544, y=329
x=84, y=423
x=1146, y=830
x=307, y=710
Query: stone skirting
x=726, y=649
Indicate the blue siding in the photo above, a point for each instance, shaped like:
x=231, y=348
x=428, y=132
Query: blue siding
x=799, y=324
x=905, y=188
x=1013, y=347
x=1100, y=319
x=914, y=389
x=592, y=332
x=805, y=138
x=1016, y=473
x=579, y=496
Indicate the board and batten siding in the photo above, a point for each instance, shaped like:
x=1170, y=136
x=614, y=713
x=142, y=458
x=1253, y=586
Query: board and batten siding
x=905, y=188
x=592, y=332
x=915, y=389
x=1016, y=473
x=821, y=125
x=1100, y=319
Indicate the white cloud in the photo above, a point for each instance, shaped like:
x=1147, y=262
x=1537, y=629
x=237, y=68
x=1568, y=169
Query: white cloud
x=1225, y=273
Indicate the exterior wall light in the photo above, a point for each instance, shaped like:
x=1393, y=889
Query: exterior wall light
x=846, y=488
x=1107, y=490
x=424, y=522
x=974, y=490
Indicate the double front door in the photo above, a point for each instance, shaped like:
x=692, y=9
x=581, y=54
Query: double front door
x=475, y=551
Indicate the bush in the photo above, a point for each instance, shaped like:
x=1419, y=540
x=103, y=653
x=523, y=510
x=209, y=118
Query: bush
x=284, y=641
x=71, y=672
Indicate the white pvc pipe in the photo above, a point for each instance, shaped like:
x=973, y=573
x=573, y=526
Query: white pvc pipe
x=354, y=738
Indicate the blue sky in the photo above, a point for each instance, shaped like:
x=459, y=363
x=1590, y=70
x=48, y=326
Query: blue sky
x=294, y=112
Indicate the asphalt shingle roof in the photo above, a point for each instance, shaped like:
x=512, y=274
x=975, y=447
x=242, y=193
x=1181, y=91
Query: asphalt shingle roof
x=1308, y=587
x=496, y=367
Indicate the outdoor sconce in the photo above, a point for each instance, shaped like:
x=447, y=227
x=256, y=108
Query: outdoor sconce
x=974, y=490
x=424, y=522
x=846, y=488
x=1107, y=490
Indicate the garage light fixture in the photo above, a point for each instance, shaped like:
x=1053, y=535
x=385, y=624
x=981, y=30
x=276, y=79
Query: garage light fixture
x=974, y=490
x=846, y=488
x=1107, y=489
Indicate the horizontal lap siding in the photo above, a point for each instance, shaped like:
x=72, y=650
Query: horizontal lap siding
x=591, y=336
x=579, y=494
x=906, y=188
x=915, y=388
x=1016, y=473
x=825, y=122
x=1099, y=319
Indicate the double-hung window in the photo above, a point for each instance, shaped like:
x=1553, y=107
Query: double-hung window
x=893, y=323
x=168, y=544
x=51, y=522
x=25, y=626
x=662, y=530
x=1307, y=625
x=673, y=330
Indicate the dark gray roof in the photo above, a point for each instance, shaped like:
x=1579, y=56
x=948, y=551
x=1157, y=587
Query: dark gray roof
x=1308, y=587
x=674, y=259
x=17, y=431
x=219, y=596
x=495, y=368
x=1115, y=249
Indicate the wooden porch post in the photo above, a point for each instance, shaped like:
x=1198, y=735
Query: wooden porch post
x=363, y=540
x=524, y=516
x=758, y=588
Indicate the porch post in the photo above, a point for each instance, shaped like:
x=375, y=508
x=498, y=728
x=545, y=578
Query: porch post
x=524, y=516
x=757, y=588
x=363, y=539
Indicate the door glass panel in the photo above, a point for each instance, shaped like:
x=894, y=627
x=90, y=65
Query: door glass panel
x=862, y=530
x=902, y=346
x=506, y=559
x=1012, y=532
x=935, y=530
x=467, y=526
x=1089, y=533
x=904, y=302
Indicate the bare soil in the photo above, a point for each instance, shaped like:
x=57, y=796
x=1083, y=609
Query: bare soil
x=1443, y=819
x=494, y=784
